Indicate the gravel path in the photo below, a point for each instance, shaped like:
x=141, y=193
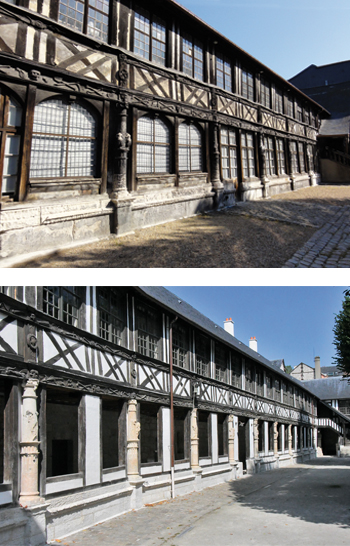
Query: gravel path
x=256, y=234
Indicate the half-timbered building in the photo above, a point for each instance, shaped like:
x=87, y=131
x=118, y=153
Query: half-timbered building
x=123, y=114
x=111, y=398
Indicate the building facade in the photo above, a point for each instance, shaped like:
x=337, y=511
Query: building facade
x=132, y=114
x=116, y=397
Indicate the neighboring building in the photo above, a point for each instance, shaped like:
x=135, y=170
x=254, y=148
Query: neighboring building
x=331, y=371
x=303, y=372
x=85, y=377
x=329, y=85
x=128, y=114
x=279, y=364
x=335, y=391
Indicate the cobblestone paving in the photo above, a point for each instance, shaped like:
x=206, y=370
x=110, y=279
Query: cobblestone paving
x=330, y=245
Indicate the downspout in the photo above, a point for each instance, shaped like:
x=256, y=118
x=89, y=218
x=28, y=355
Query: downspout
x=172, y=466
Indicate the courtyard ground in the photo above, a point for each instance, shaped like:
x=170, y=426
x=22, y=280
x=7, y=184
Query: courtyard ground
x=269, y=233
x=300, y=504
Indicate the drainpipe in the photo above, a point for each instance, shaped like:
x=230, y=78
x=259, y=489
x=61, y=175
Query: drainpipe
x=172, y=466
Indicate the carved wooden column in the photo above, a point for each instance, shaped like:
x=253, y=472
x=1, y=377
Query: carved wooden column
x=133, y=442
x=263, y=174
x=231, y=440
x=194, y=440
x=256, y=438
x=29, y=445
x=290, y=440
x=275, y=439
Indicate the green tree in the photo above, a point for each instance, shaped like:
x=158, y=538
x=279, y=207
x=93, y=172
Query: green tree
x=289, y=369
x=341, y=332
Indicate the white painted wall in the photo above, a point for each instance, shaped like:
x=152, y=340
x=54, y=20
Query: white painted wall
x=92, y=444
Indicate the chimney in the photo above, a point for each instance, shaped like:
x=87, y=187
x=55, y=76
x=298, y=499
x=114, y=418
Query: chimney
x=317, y=367
x=253, y=344
x=229, y=326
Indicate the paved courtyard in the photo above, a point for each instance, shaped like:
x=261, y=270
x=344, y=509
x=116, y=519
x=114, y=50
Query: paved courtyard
x=301, y=504
x=306, y=228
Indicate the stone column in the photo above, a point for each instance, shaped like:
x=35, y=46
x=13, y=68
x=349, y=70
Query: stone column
x=263, y=175
x=194, y=440
x=256, y=438
x=275, y=439
x=133, y=442
x=231, y=440
x=29, y=445
x=290, y=441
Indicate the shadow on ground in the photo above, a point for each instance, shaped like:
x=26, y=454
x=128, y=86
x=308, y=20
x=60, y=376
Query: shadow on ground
x=316, y=492
x=217, y=240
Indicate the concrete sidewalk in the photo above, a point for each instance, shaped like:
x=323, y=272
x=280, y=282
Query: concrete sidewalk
x=302, y=504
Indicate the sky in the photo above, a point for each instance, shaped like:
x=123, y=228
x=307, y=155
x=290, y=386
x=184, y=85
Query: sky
x=294, y=322
x=285, y=35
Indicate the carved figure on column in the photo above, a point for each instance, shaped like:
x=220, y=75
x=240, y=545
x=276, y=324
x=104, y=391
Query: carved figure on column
x=275, y=438
x=29, y=493
x=256, y=438
x=231, y=440
x=123, y=145
x=290, y=440
x=133, y=442
x=194, y=440
x=216, y=181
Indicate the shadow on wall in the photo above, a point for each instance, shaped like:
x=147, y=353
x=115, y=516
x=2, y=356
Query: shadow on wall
x=23, y=527
x=316, y=492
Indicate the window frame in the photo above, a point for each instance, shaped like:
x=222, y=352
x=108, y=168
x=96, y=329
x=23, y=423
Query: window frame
x=270, y=156
x=6, y=131
x=248, y=156
x=265, y=93
x=62, y=313
x=226, y=77
x=193, y=61
x=190, y=147
x=152, y=338
x=281, y=157
x=85, y=18
x=202, y=349
x=232, y=159
x=153, y=20
x=181, y=345
x=112, y=317
x=247, y=85
x=154, y=145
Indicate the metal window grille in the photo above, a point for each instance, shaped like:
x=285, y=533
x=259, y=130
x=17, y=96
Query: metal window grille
x=62, y=303
x=190, y=148
x=64, y=141
x=153, y=146
x=280, y=157
x=228, y=154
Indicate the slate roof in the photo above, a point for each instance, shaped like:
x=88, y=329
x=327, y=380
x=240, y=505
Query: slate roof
x=186, y=311
x=331, y=369
x=330, y=388
x=315, y=76
x=337, y=126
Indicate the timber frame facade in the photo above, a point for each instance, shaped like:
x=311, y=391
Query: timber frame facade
x=86, y=410
x=135, y=113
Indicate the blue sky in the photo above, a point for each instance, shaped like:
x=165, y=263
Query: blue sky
x=295, y=323
x=285, y=35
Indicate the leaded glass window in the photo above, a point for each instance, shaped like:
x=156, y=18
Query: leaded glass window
x=268, y=386
x=111, y=305
x=260, y=383
x=153, y=146
x=223, y=74
x=64, y=141
x=281, y=162
x=149, y=37
x=221, y=361
x=192, y=58
x=62, y=303
x=236, y=367
x=299, y=112
x=279, y=102
x=180, y=345
x=249, y=377
x=265, y=95
x=10, y=140
x=228, y=154
x=89, y=16
x=277, y=390
x=148, y=327
x=294, y=157
x=202, y=352
x=247, y=85
x=290, y=107
x=248, y=155
x=190, y=148
x=270, y=156
x=310, y=154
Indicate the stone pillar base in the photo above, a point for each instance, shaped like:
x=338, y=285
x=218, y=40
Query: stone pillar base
x=136, y=495
x=219, y=198
x=198, y=478
x=266, y=185
x=122, y=217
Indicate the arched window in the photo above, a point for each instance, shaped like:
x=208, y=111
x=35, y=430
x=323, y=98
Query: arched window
x=10, y=137
x=190, y=148
x=153, y=146
x=64, y=141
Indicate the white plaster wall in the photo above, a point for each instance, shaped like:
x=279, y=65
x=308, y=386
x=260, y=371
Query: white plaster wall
x=214, y=438
x=9, y=333
x=92, y=445
x=166, y=439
